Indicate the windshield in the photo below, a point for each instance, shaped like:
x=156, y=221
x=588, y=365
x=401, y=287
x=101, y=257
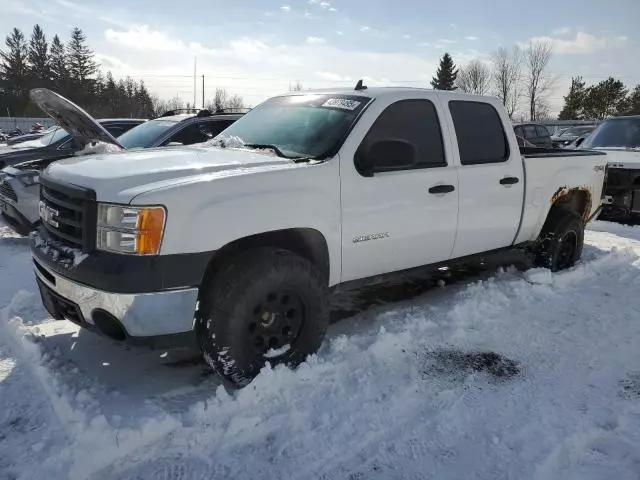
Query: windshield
x=311, y=125
x=616, y=133
x=144, y=134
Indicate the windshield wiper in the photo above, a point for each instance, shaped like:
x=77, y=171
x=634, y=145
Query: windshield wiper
x=267, y=146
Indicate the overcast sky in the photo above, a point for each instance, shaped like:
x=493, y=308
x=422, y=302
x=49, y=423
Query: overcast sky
x=256, y=47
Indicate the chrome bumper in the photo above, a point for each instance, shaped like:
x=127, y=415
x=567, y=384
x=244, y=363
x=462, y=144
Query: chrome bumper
x=141, y=315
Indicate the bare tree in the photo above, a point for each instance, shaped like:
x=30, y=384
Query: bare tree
x=474, y=77
x=507, y=68
x=295, y=87
x=223, y=100
x=161, y=106
x=537, y=83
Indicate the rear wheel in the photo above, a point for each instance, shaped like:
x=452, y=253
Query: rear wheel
x=265, y=305
x=561, y=241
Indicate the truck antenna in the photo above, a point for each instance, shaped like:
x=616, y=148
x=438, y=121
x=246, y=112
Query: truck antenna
x=360, y=86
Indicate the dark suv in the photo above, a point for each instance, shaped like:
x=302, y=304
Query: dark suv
x=534, y=133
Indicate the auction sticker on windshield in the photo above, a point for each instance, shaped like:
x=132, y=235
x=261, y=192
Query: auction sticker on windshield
x=343, y=103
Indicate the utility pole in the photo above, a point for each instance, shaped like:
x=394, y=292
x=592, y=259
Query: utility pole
x=203, y=92
x=194, y=81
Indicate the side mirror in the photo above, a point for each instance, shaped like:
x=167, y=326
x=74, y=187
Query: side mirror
x=385, y=155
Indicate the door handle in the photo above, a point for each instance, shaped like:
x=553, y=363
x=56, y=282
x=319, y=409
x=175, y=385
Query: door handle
x=441, y=189
x=509, y=181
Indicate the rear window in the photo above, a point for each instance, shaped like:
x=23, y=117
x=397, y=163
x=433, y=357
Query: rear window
x=480, y=133
x=542, y=131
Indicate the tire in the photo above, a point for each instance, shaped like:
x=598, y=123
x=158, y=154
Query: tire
x=561, y=241
x=258, y=303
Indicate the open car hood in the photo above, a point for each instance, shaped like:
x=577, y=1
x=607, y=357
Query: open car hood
x=82, y=126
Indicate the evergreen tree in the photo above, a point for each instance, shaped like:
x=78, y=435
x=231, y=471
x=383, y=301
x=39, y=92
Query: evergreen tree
x=446, y=74
x=80, y=57
x=59, y=66
x=14, y=71
x=573, y=101
x=39, y=66
x=605, y=99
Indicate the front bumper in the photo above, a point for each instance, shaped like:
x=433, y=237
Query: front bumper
x=153, y=318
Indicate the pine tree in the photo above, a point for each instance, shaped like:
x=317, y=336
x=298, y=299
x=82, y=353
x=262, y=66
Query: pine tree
x=59, y=66
x=39, y=66
x=81, y=64
x=446, y=74
x=573, y=101
x=605, y=99
x=14, y=72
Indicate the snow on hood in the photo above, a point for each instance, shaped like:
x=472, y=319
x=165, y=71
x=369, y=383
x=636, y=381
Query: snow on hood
x=98, y=148
x=118, y=174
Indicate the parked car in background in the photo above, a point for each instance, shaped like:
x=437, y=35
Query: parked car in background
x=236, y=242
x=569, y=135
x=620, y=138
x=524, y=143
x=19, y=188
x=19, y=181
x=535, y=133
x=30, y=136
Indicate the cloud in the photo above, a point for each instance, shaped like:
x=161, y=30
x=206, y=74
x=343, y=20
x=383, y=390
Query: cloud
x=582, y=43
x=309, y=15
x=365, y=28
x=111, y=63
x=447, y=41
x=471, y=37
x=285, y=8
x=143, y=37
x=406, y=36
x=339, y=32
x=315, y=40
x=453, y=25
x=332, y=9
x=321, y=3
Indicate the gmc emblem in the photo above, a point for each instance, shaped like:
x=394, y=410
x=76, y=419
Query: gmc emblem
x=48, y=214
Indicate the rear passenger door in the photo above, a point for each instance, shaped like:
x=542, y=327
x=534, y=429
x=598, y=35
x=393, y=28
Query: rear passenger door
x=491, y=183
x=400, y=216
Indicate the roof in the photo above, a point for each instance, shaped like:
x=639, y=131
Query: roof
x=185, y=116
x=110, y=120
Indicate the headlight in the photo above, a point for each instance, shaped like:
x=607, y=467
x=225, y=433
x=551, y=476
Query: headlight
x=128, y=229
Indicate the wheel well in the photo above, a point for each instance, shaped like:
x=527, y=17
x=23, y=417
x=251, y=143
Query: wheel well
x=306, y=242
x=576, y=200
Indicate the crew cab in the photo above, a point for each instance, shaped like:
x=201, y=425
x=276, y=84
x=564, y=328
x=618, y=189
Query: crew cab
x=237, y=243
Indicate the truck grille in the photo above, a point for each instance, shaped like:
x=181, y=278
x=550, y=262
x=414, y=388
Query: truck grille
x=69, y=214
x=7, y=191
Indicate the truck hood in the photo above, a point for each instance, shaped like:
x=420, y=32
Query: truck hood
x=82, y=126
x=622, y=158
x=121, y=176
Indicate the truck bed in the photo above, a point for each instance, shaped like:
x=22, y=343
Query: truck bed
x=534, y=152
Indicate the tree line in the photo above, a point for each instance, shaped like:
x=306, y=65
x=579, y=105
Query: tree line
x=515, y=75
x=71, y=70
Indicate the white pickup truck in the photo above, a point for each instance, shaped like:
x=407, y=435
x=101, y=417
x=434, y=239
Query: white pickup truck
x=238, y=242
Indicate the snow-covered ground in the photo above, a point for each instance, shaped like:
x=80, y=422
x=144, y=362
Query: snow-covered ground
x=500, y=375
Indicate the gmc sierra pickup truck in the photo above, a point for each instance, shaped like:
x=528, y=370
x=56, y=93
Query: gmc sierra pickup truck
x=237, y=243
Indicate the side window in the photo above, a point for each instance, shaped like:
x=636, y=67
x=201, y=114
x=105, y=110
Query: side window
x=405, y=136
x=542, y=131
x=518, y=130
x=480, y=133
x=194, y=133
x=214, y=127
x=530, y=131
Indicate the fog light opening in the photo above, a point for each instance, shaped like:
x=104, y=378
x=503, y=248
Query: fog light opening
x=108, y=325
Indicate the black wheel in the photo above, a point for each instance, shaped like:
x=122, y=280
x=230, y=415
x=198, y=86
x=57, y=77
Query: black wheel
x=263, y=305
x=561, y=241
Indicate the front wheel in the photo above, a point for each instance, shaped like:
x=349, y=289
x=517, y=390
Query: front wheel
x=561, y=241
x=264, y=305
